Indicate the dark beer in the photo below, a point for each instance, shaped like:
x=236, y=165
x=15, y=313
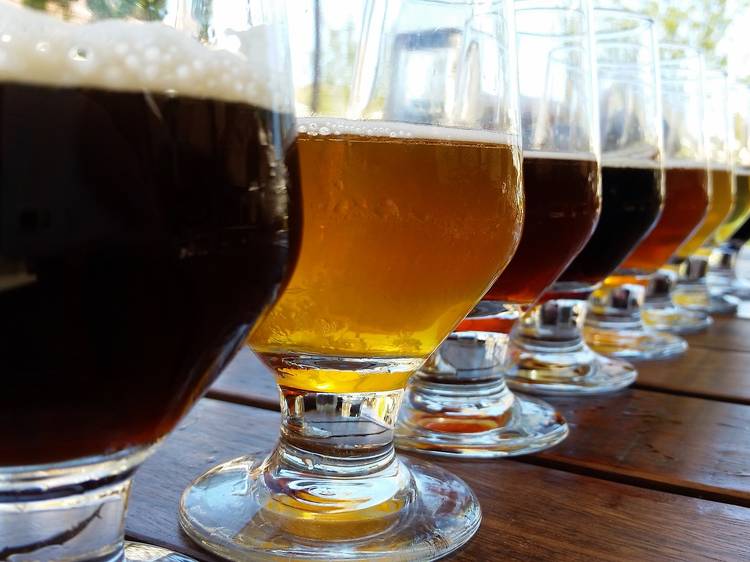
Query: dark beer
x=142, y=236
x=562, y=207
x=631, y=203
x=685, y=206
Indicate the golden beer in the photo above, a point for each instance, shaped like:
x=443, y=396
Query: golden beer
x=722, y=197
x=740, y=209
x=405, y=227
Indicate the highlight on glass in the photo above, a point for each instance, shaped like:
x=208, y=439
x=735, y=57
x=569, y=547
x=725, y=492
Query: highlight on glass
x=691, y=261
x=458, y=404
x=410, y=165
x=134, y=258
x=614, y=324
x=550, y=354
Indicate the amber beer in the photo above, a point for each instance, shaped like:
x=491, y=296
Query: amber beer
x=632, y=198
x=133, y=257
x=722, y=195
x=399, y=221
x=685, y=206
x=562, y=208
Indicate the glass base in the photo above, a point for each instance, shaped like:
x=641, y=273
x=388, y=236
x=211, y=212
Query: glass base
x=67, y=511
x=140, y=552
x=253, y=508
x=556, y=370
x=676, y=320
x=738, y=288
x=505, y=425
x=634, y=344
x=723, y=305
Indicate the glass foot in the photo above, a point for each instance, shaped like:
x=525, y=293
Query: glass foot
x=676, y=320
x=562, y=372
x=250, y=509
x=528, y=425
x=723, y=305
x=140, y=552
x=635, y=344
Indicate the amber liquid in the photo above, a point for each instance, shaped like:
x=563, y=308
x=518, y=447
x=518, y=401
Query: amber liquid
x=685, y=206
x=631, y=204
x=722, y=195
x=562, y=208
x=402, y=236
x=740, y=209
x=133, y=260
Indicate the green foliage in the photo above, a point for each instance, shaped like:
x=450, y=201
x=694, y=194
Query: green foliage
x=699, y=23
x=139, y=9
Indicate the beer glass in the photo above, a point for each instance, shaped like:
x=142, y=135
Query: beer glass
x=614, y=325
x=548, y=348
x=410, y=168
x=691, y=260
x=458, y=403
x=735, y=232
x=145, y=229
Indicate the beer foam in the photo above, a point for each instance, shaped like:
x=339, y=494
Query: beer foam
x=631, y=163
x=36, y=48
x=546, y=155
x=719, y=167
x=324, y=126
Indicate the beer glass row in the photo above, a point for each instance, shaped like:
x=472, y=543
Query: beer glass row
x=403, y=207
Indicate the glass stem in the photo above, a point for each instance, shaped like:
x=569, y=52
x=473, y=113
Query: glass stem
x=342, y=434
x=616, y=307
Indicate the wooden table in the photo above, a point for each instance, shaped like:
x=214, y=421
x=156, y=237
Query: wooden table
x=660, y=471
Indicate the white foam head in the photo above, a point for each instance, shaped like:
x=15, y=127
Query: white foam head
x=133, y=56
x=323, y=126
x=551, y=155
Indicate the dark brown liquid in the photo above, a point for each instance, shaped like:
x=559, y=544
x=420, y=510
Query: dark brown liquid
x=631, y=203
x=562, y=208
x=142, y=236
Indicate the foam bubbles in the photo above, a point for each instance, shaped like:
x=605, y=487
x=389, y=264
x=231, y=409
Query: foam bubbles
x=325, y=126
x=131, y=56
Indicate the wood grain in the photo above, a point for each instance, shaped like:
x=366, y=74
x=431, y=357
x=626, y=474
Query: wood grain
x=701, y=372
x=685, y=445
x=726, y=334
x=530, y=513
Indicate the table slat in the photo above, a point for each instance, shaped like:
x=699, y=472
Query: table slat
x=701, y=372
x=530, y=513
x=688, y=445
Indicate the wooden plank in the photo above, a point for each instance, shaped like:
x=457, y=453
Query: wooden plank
x=530, y=513
x=726, y=334
x=701, y=372
x=246, y=381
x=684, y=444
